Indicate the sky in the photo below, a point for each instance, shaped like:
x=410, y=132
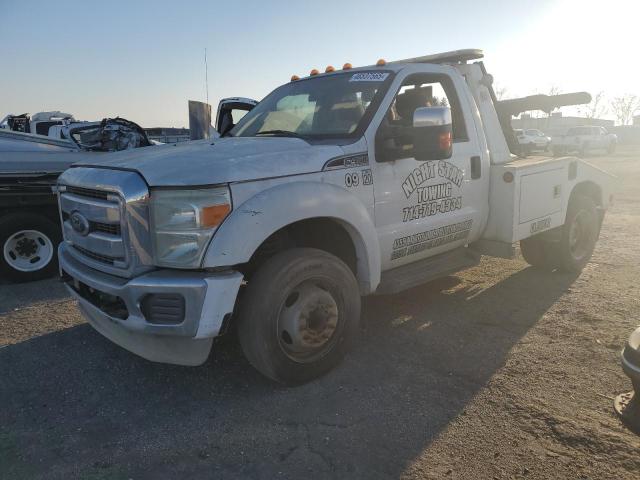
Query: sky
x=143, y=60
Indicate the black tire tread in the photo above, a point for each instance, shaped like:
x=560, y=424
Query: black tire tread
x=261, y=300
x=566, y=262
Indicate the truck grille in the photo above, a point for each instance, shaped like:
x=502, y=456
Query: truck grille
x=107, y=227
x=88, y=192
x=97, y=256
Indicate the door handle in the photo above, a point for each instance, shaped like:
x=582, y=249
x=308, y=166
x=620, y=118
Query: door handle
x=476, y=167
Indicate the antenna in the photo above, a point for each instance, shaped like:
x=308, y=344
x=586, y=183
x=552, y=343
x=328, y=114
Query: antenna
x=206, y=75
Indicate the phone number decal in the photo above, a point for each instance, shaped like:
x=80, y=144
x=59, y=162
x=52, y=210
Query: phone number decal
x=428, y=209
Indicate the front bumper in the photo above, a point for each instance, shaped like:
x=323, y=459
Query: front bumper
x=209, y=299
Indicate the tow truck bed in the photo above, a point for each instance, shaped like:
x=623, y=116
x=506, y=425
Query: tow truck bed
x=530, y=196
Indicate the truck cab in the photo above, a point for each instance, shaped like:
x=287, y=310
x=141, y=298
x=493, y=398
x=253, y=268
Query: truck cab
x=353, y=182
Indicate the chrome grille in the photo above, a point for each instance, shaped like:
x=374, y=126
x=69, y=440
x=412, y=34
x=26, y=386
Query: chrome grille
x=105, y=228
x=110, y=228
x=105, y=219
x=97, y=256
x=88, y=192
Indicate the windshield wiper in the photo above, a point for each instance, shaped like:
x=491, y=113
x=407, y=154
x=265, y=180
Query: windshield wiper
x=280, y=133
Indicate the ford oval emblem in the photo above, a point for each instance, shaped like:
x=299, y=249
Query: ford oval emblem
x=79, y=223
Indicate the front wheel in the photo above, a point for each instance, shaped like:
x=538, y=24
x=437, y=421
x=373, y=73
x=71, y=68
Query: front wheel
x=299, y=315
x=29, y=242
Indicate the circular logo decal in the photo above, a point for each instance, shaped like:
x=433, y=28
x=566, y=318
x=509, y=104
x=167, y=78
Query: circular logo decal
x=79, y=223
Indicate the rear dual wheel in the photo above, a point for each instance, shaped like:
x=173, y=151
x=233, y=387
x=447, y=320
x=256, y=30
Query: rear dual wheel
x=299, y=315
x=573, y=248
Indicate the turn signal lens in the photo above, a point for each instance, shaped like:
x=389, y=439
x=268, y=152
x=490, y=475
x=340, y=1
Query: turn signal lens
x=381, y=63
x=314, y=72
x=347, y=66
x=213, y=215
x=329, y=69
x=294, y=78
x=445, y=141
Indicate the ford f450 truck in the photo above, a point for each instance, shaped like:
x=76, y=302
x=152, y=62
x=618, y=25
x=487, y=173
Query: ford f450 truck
x=338, y=185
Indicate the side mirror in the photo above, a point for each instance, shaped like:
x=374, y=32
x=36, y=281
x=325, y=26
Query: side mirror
x=432, y=133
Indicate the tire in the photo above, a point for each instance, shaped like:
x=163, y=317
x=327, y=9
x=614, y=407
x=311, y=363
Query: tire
x=538, y=253
x=564, y=253
x=636, y=390
x=28, y=247
x=288, y=292
x=581, y=215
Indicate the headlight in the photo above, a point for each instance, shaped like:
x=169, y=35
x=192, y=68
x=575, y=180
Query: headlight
x=183, y=222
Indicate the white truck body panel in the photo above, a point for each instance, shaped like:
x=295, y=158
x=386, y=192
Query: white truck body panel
x=536, y=199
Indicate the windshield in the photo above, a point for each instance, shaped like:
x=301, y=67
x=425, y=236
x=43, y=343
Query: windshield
x=329, y=106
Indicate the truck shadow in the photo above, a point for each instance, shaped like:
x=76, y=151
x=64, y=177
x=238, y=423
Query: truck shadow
x=77, y=403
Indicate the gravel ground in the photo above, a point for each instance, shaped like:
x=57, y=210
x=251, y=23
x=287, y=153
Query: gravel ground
x=497, y=372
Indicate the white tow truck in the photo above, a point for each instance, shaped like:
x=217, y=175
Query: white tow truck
x=335, y=186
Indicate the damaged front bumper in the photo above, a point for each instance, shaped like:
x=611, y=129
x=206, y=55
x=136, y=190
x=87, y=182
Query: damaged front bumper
x=164, y=316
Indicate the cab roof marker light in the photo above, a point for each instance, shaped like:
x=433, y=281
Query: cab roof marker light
x=347, y=66
x=381, y=63
x=314, y=72
x=294, y=78
x=329, y=69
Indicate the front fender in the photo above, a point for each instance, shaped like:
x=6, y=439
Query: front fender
x=252, y=222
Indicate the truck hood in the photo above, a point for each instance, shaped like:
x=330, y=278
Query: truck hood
x=223, y=160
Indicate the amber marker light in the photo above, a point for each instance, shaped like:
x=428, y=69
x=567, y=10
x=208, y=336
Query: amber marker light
x=347, y=66
x=381, y=63
x=314, y=72
x=294, y=78
x=329, y=69
x=445, y=141
x=213, y=215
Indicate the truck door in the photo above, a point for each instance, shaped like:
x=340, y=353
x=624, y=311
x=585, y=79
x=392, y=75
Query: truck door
x=423, y=208
x=230, y=111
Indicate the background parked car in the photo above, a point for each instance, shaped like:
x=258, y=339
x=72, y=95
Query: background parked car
x=533, y=139
x=583, y=140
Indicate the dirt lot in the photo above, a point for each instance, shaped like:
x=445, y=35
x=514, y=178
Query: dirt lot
x=498, y=372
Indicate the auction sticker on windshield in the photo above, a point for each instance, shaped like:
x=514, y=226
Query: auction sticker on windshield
x=369, y=77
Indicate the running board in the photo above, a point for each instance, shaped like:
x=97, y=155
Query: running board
x=413, y=274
